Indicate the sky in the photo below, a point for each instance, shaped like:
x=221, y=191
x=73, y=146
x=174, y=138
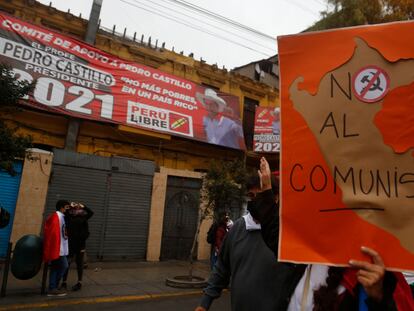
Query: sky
x=190, y=31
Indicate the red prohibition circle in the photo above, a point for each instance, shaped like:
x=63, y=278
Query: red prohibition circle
x=380, y=71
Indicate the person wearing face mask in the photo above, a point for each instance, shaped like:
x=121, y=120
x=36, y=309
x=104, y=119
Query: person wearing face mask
x=55, y=247
x=77, y=217
x=244, y=259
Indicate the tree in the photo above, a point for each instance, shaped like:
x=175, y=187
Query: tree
x=224, y=184
x=12, y=91
x=399, y=10
x=345, y=13
x=223, y=187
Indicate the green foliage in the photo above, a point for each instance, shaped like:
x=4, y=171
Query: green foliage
x=11, y=147
x=224, y=185
x=11, y=92
x=345, y=13
x=397, y=10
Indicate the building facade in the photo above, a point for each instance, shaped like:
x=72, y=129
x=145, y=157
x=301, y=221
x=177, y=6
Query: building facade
x=143, y=185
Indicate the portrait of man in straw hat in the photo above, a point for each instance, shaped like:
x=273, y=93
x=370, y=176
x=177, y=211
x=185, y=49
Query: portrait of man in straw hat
x=218, y=128
x=276, y=121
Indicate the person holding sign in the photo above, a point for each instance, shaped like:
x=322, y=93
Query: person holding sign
x=245, y=262
x=219, y=129
x=364, y=285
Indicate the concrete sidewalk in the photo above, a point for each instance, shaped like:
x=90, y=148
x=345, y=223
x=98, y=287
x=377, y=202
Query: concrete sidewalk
x=105, y=282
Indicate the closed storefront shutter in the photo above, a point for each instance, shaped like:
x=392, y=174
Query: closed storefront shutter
x=128, y=216
x=9, y=189
x=117, y=190
x=80, y=185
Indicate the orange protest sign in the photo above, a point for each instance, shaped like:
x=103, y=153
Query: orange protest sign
x=347, y=159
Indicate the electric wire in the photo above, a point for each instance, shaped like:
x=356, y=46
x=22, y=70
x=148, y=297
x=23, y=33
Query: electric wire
x=320, y=2
x=212, y=18
x=197, y=28
x=222, y=18
x=209, y=24
x=304, y=8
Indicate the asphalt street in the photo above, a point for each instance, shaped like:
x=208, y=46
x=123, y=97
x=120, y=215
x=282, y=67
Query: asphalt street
x=183, y=303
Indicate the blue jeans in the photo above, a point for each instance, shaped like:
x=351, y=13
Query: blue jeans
x=213, y=258
x=58, y=268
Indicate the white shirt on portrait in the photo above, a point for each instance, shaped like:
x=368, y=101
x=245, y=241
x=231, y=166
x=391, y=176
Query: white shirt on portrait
x=222, y=131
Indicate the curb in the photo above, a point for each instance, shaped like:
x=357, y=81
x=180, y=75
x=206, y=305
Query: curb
x=68, y=302
x=184, y=281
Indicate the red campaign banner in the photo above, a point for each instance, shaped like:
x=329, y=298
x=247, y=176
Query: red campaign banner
x=267, y=130
x=76, y=79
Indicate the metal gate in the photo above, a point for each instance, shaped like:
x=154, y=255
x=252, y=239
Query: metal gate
x=180, y=217
x=118, y=190
x=9, y=189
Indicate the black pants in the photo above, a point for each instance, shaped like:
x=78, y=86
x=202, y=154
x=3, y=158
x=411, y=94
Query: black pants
x=77, y=251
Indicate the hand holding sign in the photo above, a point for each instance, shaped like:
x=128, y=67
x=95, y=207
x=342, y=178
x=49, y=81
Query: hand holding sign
x=371, y=275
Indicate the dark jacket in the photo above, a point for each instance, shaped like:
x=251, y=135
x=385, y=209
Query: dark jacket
x=255, y=275
x=77, y=225
x=221, y=232
x=268, y=215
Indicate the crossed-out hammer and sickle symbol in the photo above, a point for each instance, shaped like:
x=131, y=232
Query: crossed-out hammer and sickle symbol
x=375, y=85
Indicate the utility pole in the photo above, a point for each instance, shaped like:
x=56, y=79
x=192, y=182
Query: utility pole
x=93, y=24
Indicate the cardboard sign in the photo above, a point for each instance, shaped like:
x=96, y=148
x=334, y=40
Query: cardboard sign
x=76, y=79
x=266, y=130
x=348, y=145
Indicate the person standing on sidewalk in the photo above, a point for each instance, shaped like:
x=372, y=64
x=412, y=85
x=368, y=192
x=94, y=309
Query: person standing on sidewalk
x=245, y=261
x=219, y=235
x=78, y=231
x=55, y=247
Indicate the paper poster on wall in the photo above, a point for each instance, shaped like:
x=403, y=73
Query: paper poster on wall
x=348, y=149
x=266, y=130
x=77, y=79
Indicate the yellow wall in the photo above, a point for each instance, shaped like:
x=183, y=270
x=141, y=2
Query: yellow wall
x=176, y=156
x=107, y=139
x=165, y=60
x=32, y=195
x=159, y=191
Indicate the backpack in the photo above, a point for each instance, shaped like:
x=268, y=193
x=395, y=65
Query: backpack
x=211, y=234
x=4, y=217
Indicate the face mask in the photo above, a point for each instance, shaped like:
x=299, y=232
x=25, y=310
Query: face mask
x=252, y=207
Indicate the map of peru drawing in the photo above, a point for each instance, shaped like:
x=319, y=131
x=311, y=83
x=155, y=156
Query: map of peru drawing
x=347, y=152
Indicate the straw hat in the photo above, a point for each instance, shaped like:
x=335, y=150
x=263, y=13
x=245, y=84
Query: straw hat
x=211, y=95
